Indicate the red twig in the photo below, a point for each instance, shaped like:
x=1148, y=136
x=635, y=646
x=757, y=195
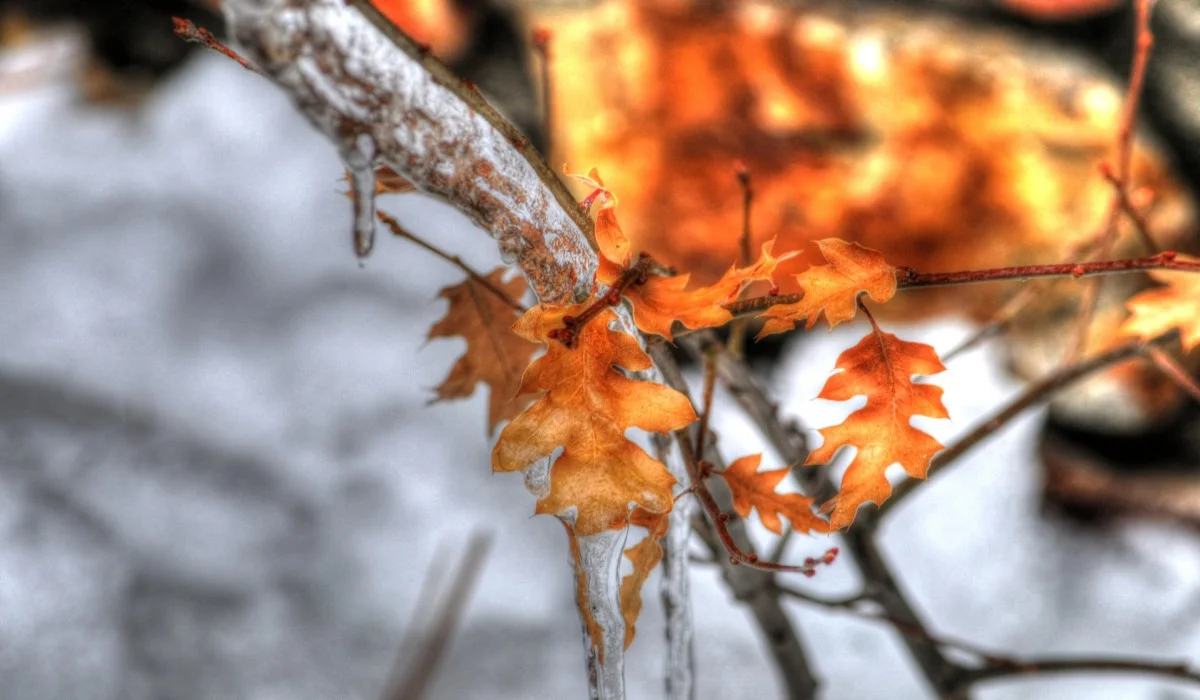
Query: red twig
x=1174, y=371
x=1126, y=203
x=572, y=325
x=908, y=278
x=737, y=332
x=186, y=30
x=401, y=232
x=710, y=383
x=1144, y=40
x=698, y=471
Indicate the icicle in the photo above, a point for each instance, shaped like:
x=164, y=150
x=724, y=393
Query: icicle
x=680, y=662
x=599, y=562
x=357, y=156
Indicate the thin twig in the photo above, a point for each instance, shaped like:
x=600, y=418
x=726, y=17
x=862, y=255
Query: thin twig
x=789, y=442
x=400, y=232
x=752, y=587
x=998, y=323
x=762, y=303
x=710, y=382
x=1174, y=371
x=541, y=46
x=423, y=666
x=186, y=30
x=1140, y=225
x=908, y=278
x=995, y=664
x=573, y=325
x=1009, y=668
x=1143, y=41
x=737, y=332
x=1032, y=396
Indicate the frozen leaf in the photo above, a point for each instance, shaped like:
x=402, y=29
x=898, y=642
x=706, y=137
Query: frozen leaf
x=644, y=556
x=495, y=354
x=880, y=367
x=1177, y=305
x=585, y=407
x=754, y=489
x=834, y=288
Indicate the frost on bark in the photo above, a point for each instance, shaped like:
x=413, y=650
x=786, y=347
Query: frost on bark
x=381, y=105
x=383, y=101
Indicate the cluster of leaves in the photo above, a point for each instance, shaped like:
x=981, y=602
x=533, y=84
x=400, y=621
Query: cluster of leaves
x=572, y=406
x=585, y=395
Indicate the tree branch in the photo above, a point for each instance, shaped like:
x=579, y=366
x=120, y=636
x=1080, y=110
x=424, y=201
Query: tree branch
x=881, y=585
x=753, y=587
x=382, y=100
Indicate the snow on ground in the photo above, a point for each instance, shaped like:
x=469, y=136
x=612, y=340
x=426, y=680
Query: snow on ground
x=219, y=478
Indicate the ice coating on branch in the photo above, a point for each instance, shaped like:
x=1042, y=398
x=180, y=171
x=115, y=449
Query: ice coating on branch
x=600, y=561
x=674, y=589
x=680, y=661
x=374, y=100
x=381, y=105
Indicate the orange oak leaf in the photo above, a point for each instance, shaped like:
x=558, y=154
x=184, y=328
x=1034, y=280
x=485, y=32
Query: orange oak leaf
x=585, y=407
x=834, y=288
x=661, y=301
x=495, y=354
x=881, y=367
x=1177, y=305
x=614, y=244
x=644, y=555
x=754, y=489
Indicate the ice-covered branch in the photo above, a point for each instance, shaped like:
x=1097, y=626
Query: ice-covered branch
x=383, y=100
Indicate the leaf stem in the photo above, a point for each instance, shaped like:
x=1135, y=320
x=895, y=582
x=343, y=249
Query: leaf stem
x=737, y=332
x=400, y=232
x=185, y=29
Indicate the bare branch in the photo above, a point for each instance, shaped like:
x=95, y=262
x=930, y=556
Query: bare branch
x=423, y=664
x=755, y=588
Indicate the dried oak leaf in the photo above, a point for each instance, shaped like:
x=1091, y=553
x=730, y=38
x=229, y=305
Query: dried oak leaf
x=644, y=556
x=585, y=407
x=1177, y=305
x=754, y=489
x=661, y=301
x=495, y=354
x=834, y=288
x=881, y=367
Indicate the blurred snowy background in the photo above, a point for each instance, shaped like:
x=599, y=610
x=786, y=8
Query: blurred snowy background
x=220, y=480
